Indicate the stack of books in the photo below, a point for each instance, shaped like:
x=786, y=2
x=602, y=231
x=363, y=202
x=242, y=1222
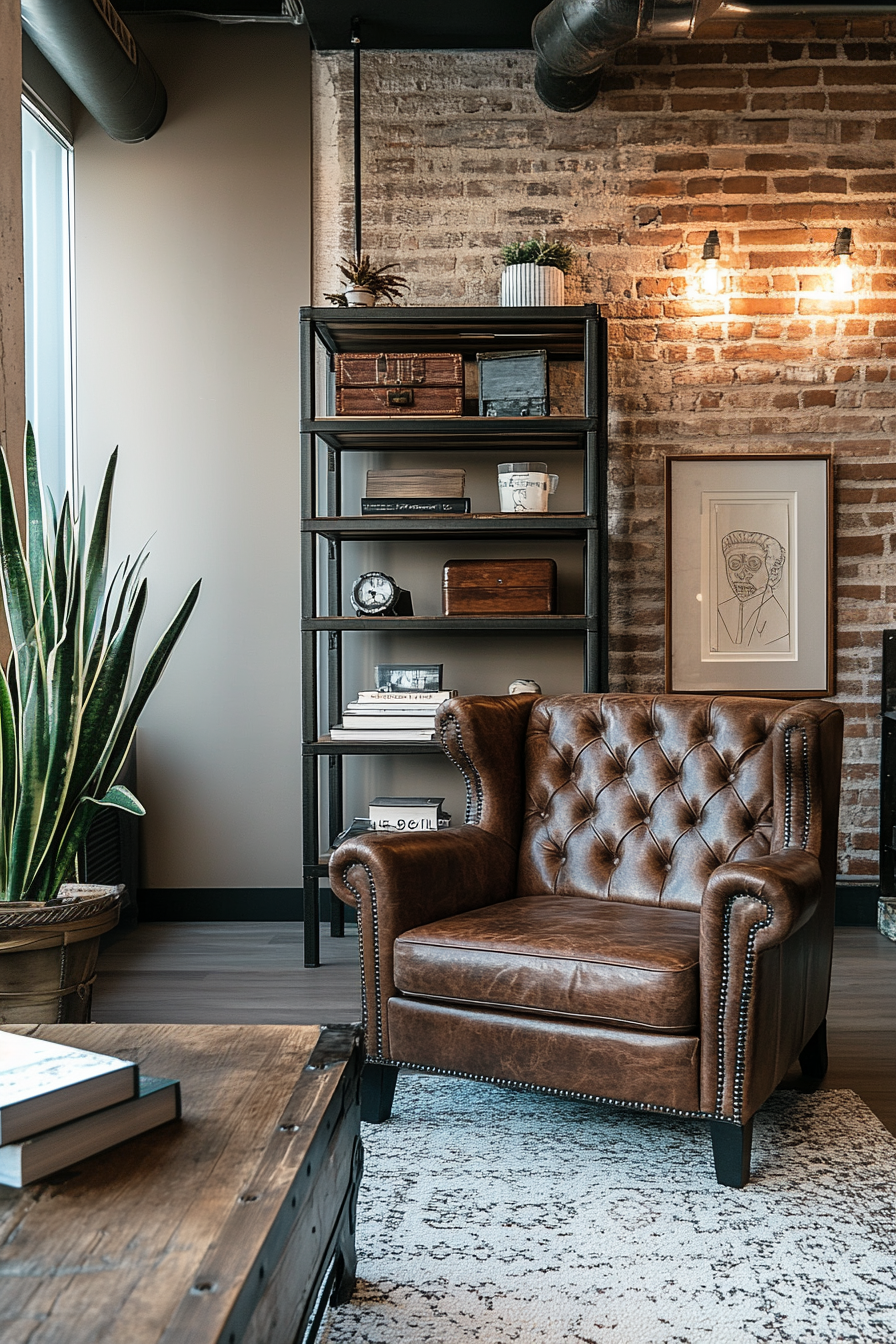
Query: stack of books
x=390, y=716
x=408, y=814
x=406, y=490
x=59, y=1105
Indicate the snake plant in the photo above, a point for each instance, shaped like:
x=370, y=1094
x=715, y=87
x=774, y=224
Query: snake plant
x=66, y=716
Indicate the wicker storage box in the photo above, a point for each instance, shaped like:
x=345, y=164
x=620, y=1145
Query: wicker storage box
x=425, y=384
x=501, y=587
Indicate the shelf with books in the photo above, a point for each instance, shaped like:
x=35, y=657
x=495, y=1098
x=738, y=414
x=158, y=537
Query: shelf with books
x=484, y=526
x=469, y=433
x=332, y=490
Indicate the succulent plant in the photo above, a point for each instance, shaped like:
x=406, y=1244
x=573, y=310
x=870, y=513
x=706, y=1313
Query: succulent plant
x=383, y=282
x=539, y=252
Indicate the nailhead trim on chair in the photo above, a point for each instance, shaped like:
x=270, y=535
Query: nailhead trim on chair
x=474, y=808
x=549, y=1091
x=746, y=993
x=788, y=786
x=377, y=993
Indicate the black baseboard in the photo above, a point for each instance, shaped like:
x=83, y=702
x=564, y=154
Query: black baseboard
x=235, y=905
x=856, y=902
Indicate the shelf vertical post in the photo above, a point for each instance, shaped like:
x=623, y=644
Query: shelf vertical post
x=308, y=597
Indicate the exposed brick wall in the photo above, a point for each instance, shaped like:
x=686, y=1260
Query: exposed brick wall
x=776, y=134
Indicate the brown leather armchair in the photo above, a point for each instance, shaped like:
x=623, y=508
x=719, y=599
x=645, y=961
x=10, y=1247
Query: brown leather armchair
x=639, y=909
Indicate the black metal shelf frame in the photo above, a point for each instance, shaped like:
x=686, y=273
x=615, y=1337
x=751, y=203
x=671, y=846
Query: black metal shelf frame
x=566, y=334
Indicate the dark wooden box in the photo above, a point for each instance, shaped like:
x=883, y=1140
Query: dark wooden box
x=502, y=587
x=425, y=384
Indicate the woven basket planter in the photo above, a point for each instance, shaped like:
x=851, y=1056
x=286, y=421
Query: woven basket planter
x=526, y=285
x=48, y=952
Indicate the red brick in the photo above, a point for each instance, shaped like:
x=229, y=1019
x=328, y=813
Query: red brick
x=873, y=74
x=818, y=184
x=876, y=182
x=680, y=163
x=769, y=163
x=862, y=102
x=657, y=186
x=744, y=186
x=799, y=75
x=708, y=102
x=708, y=79
x=704, y=186
x=763, y=306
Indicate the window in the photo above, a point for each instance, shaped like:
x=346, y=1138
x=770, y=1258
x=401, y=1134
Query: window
x=49, y=395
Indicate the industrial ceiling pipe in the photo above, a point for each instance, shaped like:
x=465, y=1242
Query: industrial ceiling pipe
x=87, y=43
x=574, y=39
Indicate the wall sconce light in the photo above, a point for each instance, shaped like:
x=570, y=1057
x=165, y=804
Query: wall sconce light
x=710, y=277
x=843, y=272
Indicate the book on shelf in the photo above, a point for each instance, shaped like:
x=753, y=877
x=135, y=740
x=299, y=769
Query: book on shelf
x=385, y=722
x=339, y=734
x=409, y=814
x=422, y=504
x=416, y=482
x=43, y=1084
x=157, y=1100
x=402, y=697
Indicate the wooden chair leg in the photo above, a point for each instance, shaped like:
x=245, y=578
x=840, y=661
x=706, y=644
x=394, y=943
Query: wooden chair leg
x=377, y=1090
x=814, y=1058
x=731, y=1146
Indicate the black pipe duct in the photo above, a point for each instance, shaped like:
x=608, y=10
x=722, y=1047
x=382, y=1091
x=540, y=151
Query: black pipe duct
x=89, y=46
x=574, y=39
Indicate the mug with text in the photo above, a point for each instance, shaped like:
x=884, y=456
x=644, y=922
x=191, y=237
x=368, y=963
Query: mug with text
x=524, y=487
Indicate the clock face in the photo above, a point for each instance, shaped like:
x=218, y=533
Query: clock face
x=374, y=592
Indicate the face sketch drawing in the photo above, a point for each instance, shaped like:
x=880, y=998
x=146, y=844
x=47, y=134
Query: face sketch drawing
x=753, y=617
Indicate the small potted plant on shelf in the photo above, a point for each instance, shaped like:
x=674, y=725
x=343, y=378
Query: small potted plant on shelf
x=533, y=275
x=66, y=723
x=367, y=284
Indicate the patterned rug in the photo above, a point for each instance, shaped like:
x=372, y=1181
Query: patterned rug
x=491, y=1216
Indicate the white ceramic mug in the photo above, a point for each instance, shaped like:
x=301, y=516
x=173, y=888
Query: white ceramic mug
x=524, y=487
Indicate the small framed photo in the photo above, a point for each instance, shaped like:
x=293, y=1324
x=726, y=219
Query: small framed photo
x=749, y=574
x=408, y=676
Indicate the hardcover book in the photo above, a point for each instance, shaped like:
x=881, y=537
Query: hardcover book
x=157, y=1101
x=440, y=504
x=43, y=1084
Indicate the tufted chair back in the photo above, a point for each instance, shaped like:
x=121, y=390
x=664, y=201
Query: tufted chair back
x=638, y=799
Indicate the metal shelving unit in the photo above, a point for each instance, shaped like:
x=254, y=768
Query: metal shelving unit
x=566, y=334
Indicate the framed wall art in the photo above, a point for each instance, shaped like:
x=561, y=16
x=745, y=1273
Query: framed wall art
x=749, y=574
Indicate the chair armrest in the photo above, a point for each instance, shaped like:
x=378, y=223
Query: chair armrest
x=399, y=882
x=764, y=969
x=485, y=737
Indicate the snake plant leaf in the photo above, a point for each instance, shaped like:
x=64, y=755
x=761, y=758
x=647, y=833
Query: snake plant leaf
x=8, y=779
x=33, y=729
x=155, y=666
x=18, y=599
x=98, y=553
x=36, y=530
x=122, y=798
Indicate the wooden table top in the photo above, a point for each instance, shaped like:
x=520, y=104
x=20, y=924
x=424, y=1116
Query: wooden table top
x=150, y=1241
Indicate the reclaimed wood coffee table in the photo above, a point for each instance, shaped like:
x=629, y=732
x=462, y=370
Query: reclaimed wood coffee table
x=233, y=1225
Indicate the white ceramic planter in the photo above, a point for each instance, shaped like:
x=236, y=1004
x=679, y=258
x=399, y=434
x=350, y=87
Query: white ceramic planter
x=529, y=286
x=359, y=298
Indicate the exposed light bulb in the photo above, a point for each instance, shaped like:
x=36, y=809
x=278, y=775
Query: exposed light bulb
x=710, y=278
x=843, y=276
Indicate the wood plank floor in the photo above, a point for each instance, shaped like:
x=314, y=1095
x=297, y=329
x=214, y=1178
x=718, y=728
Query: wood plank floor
x=253, y=973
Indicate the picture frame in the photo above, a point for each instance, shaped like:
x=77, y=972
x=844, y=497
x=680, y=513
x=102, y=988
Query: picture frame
x=749, y=574
x=408, y=676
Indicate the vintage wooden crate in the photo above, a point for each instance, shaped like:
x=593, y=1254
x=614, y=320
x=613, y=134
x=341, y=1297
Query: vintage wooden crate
x=502, y=587
x=406, y=384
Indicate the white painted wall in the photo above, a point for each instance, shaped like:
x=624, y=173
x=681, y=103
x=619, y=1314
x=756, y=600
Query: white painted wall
x=193, y=257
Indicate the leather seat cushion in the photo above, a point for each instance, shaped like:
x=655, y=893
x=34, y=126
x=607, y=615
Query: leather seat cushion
x=564, y=956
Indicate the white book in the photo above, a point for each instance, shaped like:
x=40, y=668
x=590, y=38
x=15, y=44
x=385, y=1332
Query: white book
x=396, y=711
x=43, y=1084
x=386, y=721
x=408, y=814
x=381, y=734
x=158, y=1101
x=408, y=697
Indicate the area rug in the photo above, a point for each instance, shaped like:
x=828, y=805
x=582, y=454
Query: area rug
x=493, y=1216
